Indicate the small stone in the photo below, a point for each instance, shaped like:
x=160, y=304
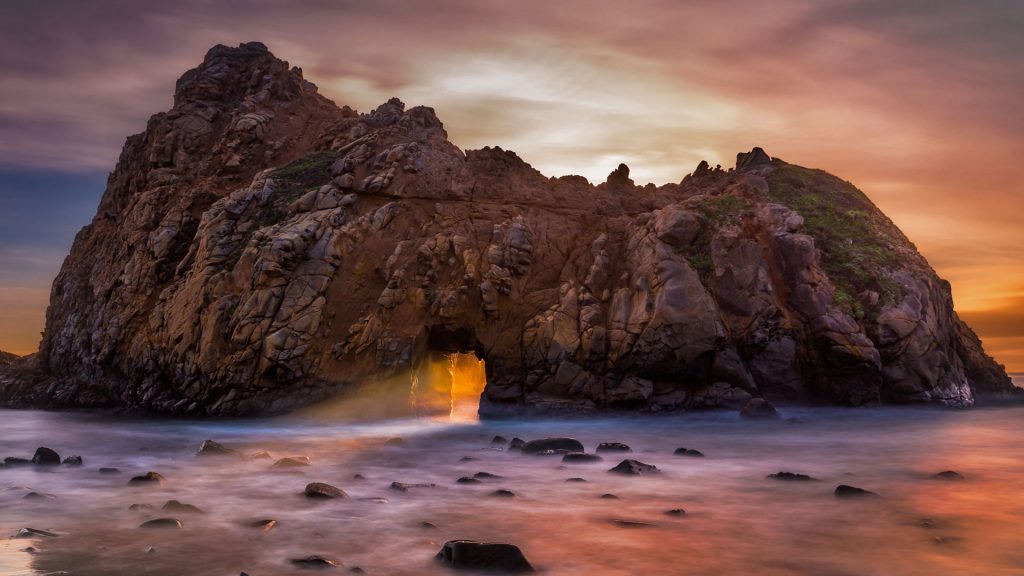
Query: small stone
x=502, y=493
x=162, y=523
x=140, y=507
x=576, y=479
x=499, y=440
x=428, y=525
x=609, y=497
x=612, y=447
x=483, y=556
x=688, y=452
x=634, y=468
x=211, y=448
x=467, y=459
x=72, y=461
x=467, y=480
x=844, y=491
x=791, y=477
x=581, y=458
x=46, y=457
x=516, y=444
x=948, y=475
x=485, y=476
x=357, y=570
x=322, y=490
x=675, y=512
x=176, y=506
x=149, y=478
x=318, y=562
x=358, y=477
x=292, y=462
x=110, y=471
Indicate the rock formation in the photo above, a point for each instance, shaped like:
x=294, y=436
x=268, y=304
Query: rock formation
x=258, y=249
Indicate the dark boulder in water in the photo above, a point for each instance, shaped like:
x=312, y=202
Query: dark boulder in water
x=554, y=444
x=675, y=512
x=318, y=562
x=467, y=480
x=688, y=452
x=211, y=448
x=499, y=441
x=580, y=458
x=502, y=493
x=162, y=523
x=46, y=456
x=39, y=496
x=634, y=468
x=73, y=461
x=948, y=475
x=180, y=507
x=405, y=487
x=293, y=462
x=516, y=444
x=108, y=470
x=33, y=533
x=483, y=556
x=613, y=447
x=791, y=477
x=149, y=478
x=485, y=476
x=844, y=491
x=12, y=461
x=324, y=491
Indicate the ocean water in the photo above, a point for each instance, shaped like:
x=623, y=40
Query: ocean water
x=737, y=521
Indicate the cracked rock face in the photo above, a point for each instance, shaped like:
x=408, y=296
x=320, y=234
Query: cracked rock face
x=259, y=248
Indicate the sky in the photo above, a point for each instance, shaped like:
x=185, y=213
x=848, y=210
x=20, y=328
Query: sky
x=917, y=102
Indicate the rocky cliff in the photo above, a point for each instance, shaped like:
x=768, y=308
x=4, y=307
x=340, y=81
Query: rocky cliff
x=258, y=249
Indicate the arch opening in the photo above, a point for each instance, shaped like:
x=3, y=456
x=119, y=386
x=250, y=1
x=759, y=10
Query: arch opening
x=450, y=377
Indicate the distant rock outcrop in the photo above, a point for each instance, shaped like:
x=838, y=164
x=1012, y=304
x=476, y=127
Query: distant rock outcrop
x=259, y=248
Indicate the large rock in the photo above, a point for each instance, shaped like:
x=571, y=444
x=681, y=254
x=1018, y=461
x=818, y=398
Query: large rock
x=259, y=248
x=483, y=556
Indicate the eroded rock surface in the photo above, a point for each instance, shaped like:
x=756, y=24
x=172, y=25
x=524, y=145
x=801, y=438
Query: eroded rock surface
x=259, y=248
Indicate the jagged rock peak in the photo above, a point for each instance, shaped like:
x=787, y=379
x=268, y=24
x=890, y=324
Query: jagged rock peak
x=230, y=74
x=749, y=160
x=619, y=178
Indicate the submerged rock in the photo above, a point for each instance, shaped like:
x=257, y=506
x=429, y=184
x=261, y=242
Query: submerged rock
x=318, y=562
x=688, y=452
x=631, y=523
x=467, y=480
x=321, y=490
x=845, y=491
x=405, y=487
x=211, y=448
x=612, y=447
x=485, y=476
x=72, y=461
x=502, y=493
x=149, y=478
x=33, y=533
x=675, y=512
x=948, y=475
x=294, y=462
x=46, y=457
x=483, y=556
x=581, y=458
x=107, y=470
x=162, y=524
x=180, y=507
x=634, y=468
x=791, y=477
x=552, y=445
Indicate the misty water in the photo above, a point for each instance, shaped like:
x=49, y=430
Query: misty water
x=737, y=521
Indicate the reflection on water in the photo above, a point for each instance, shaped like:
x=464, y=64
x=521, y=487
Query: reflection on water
x=736, y=522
